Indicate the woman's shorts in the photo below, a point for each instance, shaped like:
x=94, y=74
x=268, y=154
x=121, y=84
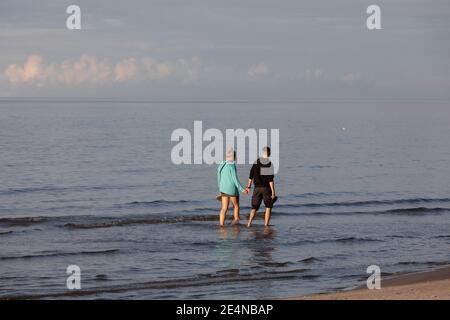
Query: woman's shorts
x=227, y=195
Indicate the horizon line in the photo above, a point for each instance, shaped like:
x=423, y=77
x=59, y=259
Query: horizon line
x=191, y=100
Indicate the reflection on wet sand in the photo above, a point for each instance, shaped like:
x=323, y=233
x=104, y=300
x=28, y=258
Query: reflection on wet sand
x=261, y=245
x=229, y=232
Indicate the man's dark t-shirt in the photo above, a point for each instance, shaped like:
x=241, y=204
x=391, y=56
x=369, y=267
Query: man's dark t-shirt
x=262, y=173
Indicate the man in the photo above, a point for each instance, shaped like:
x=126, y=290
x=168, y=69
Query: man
x=262, y=176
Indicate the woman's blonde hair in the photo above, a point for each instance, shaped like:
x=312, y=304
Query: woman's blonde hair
x=231, y=155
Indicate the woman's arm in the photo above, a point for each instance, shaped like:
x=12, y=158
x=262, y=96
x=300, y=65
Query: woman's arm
x=218, y=177
x=235, y=179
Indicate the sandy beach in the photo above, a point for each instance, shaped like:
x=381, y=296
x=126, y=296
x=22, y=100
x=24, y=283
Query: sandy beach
x=430, y=285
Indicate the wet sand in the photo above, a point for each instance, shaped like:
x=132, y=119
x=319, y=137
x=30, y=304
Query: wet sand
x=430, y=285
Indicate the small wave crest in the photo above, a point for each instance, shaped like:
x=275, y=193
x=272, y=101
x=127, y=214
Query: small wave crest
x=341, y=240
x=310, y=260
x=59, y=254
x=25, y=221
x=400, y=211
x=363, y=203
x=131, y=221
x=228, y=276
x=155, y=203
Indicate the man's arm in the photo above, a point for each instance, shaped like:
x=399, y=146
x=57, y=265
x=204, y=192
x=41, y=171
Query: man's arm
x=272, y=187
x=249, y=183
x=250, y=177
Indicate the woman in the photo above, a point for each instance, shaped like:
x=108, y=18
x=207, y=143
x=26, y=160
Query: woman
x=229, y=186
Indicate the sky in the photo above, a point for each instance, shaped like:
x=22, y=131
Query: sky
x=227, y=49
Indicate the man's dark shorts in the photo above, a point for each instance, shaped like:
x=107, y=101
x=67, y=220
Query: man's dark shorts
x=260, y=194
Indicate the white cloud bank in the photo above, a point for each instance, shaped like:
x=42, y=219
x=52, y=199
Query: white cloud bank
x=91, y=70
x=314, y=74
x=351, y=77
x=258, y=70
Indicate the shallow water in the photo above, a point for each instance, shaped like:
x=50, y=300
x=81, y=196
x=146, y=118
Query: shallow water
x=92, y=184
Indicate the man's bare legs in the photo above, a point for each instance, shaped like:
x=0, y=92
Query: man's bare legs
x=252, y=216
x=223, y=211
x=267, y=217
x=235, y=202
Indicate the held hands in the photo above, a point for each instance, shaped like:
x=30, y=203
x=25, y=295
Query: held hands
x=247, y=190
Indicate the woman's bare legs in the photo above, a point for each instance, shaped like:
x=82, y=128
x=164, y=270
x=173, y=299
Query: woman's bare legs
x=235, y=202
x=223, y=211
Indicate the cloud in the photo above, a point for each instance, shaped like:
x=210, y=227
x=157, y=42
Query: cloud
x=258, y=70
x=184, y=70
x=125, y=70
x=86, y=70
x=31, y=71
x=89, y=70
x=314, y=74
x=351, y=77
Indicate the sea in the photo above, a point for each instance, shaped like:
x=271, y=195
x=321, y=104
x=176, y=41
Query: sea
x=92, y=184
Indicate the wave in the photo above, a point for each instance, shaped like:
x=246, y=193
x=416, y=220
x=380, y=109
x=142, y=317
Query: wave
x=336, y=193
x=443, y=236
x=208, y=279
x=365, y=203
x=132, y=221
x=94, y=222
x=417, y=210
x=59, y=189
x=424, y=263
x=276, y=264
x=356, y=239
x=60, y=254
x=155, y=203
x=25, y=221
x=310, y=260
x=399, y=236
x=231, y=271
x=343, y=240
x=405, y=211
x=107, y=223
x=350, y=240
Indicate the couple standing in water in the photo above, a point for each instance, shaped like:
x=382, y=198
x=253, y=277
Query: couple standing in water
x=261, y=175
